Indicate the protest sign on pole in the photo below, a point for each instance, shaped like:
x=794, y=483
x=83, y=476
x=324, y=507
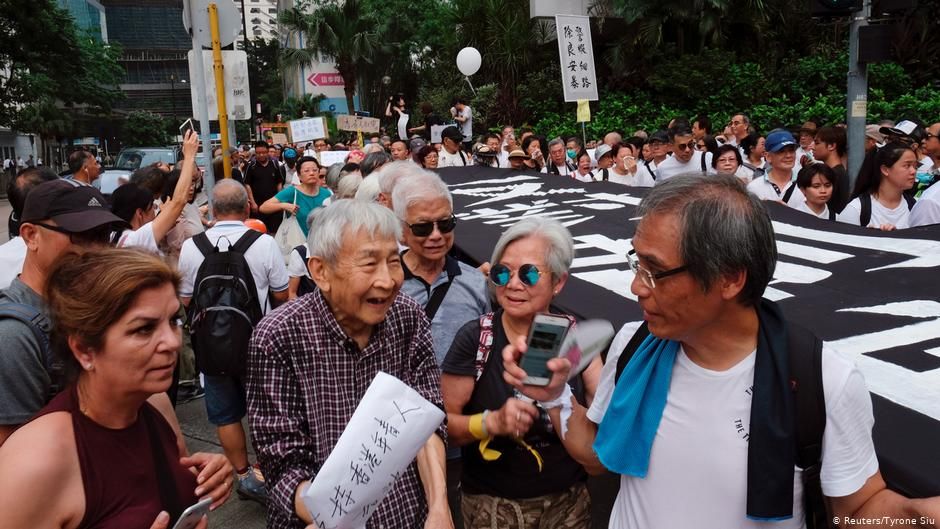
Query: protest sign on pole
x=577, y=58
x=357, y=123
x=307, y=129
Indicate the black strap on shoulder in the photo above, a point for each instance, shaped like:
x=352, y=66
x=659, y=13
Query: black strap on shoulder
x=864, y=217
x=606, y=174
x=651, y=172
x=805, y=360
x=202, y=243
x=301, y=249
x=789, y=193
x=437, y=297
x=245, y=241
x=169, y=496
x=704, y=169
x=910, y=201
x=832, y=214
x=630, y=349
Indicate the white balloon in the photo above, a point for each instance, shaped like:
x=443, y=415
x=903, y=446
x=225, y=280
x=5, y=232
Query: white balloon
x=468, y=61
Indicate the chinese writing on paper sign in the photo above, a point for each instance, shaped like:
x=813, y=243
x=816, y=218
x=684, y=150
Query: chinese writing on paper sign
x=577, y=57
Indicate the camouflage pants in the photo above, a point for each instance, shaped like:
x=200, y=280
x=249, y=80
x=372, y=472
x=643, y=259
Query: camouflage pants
x=570, y=509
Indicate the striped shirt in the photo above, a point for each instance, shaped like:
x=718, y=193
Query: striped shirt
x=305, y=379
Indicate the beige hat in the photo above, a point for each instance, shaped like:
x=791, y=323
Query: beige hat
x=873, y=132
x=518, y=153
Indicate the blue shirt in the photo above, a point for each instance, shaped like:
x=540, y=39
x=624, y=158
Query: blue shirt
x=307, y=203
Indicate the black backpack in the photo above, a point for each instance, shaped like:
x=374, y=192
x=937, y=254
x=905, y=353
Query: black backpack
x=225, y=307
x=805, y=355
x=864, y=216
x=39, y=324
x=306, y=285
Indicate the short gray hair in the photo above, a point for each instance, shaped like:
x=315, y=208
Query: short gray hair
x=390, y=173
x=422, y=185
x=374, y=160
x=556, y=141
x=348, y=184
x=723, y=229
x=560, y=251
x=343, y=219
x=368, y=189
x=333, y=174
x=228, y=198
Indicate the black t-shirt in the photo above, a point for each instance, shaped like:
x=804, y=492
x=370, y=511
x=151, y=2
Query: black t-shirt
x=263, y=180
x=842, y=192
x=429, y=121
x=516, y=474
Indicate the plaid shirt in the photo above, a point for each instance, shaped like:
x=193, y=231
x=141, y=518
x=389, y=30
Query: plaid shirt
x=305, y=379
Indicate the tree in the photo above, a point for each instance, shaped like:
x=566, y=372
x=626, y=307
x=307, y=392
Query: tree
x=264, y=76
x=344, y=32
x=145, y=129
x=45, y=61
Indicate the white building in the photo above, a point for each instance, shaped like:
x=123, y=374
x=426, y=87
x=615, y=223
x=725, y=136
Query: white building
x=260, y=18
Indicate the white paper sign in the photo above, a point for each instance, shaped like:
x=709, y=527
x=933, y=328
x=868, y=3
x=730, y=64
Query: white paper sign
x=577, y=57
x=436, y=132
x=328, y=158
x=307, y=129
x=390, y=425
x=235, y=76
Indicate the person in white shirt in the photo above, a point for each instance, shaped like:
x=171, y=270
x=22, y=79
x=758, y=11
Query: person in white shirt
x=400, y=151
x=925, y=212
x=604, y=161
x=753, y=148
x=880, y=202
x=557, y=159
x=804, y=153
x=135, y=205
x=625, y=170
x=727, y=159
x=817, y=181
x=492, y=141
x=225, y=396
x=779, y=183
x=463, y=114
x=451, y=154
x=685, y=158
x=699, y=401
x=740, y=126
x=582, y=172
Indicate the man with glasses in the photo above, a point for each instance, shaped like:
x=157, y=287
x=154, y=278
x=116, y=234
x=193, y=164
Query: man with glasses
x=59, y=217
x=740, y=125
x=702, y=410
x=932, y=144
x=685, y=157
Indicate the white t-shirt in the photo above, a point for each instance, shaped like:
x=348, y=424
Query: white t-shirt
x=805, y=209
x=297, y=266
x=699, y=456
x=764, y=189
x=638, y=179
x=563, y=170
x=899, y=217
x=925, y=164
x=264, y=259
x=458, y=159
x=466, y=128
x=583, y=177
x=141, y=238
x=12, y=255
x=927, y=209
x=672, y=166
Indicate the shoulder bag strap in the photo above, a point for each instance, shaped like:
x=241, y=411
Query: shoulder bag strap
x=437, y=297
x=630, y=349
x=486, y=343
x=245, y=241
x=864, y=216
x=202, y=244
x=789, y=193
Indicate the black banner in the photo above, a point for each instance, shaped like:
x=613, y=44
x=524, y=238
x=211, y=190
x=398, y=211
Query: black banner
x=872, y=295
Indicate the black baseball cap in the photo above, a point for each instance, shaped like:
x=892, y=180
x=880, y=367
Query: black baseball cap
x=452, y=133
x=73, y=206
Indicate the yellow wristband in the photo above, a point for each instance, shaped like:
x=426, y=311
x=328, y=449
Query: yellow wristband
x=477, y=427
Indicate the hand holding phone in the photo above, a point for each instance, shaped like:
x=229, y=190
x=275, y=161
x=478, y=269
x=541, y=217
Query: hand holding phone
x=193, y=515
x=546, y=337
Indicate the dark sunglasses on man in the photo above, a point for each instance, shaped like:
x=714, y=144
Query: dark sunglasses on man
x=424, y=229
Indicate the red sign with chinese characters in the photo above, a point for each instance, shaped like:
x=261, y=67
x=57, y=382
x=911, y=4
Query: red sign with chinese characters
x=326, y=79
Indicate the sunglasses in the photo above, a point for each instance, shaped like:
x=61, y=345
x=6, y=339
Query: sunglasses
x=99, y=235
x=686, y=146
x=423, y=229
x=528, y=273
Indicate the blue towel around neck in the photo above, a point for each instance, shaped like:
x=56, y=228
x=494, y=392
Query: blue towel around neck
x=625, y=436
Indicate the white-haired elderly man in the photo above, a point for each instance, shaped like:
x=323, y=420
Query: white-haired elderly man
x=311, y=362
x=451, y=292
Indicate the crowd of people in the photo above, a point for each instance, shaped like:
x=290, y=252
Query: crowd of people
x=280, y=294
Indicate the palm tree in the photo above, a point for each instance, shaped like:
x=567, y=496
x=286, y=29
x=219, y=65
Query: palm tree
x=342, y=31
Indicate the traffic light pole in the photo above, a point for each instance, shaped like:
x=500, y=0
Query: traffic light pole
x=856, y=96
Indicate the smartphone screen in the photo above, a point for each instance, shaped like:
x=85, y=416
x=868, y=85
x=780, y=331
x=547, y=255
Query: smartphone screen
x=545, y=340
x=187, y=125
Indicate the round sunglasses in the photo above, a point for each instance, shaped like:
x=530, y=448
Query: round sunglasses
x=528, y=273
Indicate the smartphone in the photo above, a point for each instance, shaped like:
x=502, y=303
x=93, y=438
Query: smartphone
x=190, y=125
x=545, y=339
x=191, y=516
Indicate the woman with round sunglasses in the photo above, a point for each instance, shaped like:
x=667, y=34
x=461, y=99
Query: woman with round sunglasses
x=515, y=467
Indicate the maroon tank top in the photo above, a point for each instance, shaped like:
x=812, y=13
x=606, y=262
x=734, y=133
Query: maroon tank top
x=118, y=470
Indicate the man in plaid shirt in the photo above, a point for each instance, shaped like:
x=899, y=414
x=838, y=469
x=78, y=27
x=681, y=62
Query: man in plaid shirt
x=311, y=362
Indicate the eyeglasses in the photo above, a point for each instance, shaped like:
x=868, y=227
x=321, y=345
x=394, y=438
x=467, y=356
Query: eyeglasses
x=683, y=146
x=423, y=229
x=735, y=123
x=649, y=278
x=528, y=273
x=99, y=235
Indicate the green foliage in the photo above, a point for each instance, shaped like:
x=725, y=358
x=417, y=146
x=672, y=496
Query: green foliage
x=46, y=63
x=145, y=129
x=265, y=82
